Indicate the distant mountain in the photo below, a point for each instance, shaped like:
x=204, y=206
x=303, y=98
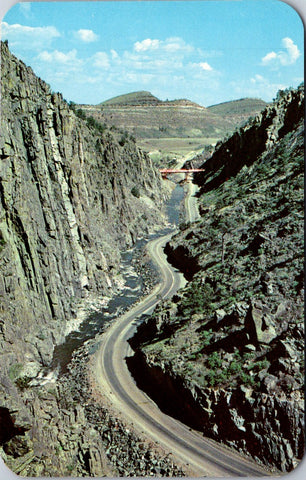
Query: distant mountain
x=243, y=106
x=142, y=98
x=132, y=99
x=173, y=126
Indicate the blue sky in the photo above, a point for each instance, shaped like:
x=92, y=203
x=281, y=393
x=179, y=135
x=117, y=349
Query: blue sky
x=207, y=51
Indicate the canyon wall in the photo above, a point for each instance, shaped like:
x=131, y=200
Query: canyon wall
x=226, y=354
x=72, y=196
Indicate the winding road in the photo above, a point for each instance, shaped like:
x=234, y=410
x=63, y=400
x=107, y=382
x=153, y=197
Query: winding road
x=199, y=456
x=191, y=207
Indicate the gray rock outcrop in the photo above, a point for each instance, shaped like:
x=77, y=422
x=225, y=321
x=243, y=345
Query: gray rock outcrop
x=67, y=208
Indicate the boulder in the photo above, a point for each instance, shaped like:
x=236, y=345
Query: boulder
x=259, y=325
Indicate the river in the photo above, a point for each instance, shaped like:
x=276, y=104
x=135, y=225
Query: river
x=131, y=292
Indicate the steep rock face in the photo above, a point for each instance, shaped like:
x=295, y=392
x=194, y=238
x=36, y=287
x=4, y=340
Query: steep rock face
x=66, y=205
x=228, y=348
x=71, y=198
x=253, y=139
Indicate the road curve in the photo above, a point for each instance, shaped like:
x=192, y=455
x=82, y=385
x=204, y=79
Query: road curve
x=198, y=455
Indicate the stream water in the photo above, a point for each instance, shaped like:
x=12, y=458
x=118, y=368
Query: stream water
x=132, y=290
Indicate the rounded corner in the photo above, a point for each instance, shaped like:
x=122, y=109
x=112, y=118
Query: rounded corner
x=297, y=8
x=6, y=7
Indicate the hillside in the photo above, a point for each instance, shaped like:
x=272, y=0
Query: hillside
x=134, y=98
x=144, y=98
x=244, y=106
x=226, y=354
x=173, y=127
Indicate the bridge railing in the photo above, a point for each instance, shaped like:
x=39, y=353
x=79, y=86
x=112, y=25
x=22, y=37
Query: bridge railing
x=167, y=171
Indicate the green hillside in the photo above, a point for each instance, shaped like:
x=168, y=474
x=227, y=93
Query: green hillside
x=238, y=107
x=172, y=127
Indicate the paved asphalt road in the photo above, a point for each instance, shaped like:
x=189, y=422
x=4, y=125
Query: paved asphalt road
x=198, y=455
x=191, y=207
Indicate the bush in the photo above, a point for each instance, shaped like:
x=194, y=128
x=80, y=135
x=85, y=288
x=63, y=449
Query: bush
x=235, y=367
x=23, y=382
x=15, y=371
x=80, y=113
x=123, y=139
x=214, y=360
x=93, y=123
x=72, y=105
x=2, y=244
x=135, y=191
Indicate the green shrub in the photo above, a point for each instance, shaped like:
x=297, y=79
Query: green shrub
x=214, y=360
x=260, y=365
x=206, y=336
x=94, y=124
x=15, y=371
x=2, y=244
x=80, y=113
x=135, y=191
x=235, y=367
x=123, y=139
x=23, y=382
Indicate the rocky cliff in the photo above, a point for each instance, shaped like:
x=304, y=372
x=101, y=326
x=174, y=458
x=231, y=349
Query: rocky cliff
x=226, y=354
x=72, y=196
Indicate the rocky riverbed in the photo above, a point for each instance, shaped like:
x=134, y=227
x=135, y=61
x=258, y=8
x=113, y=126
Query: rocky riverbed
x=126, y=453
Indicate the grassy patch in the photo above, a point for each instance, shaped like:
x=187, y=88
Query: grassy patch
x=15, y=371
x=174, y=146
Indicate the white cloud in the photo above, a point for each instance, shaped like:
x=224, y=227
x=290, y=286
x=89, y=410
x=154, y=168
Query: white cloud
x=293, y=52
x=146, y=44
x=202, y=70
x=69, y=58
x=257, y=86
x=60, y=69
x=132, y=77
x=154, y=61
x=114, y=54
x=157, y=57
x=86, y=36
x=101, y=60
x=28, y=37
x=158, y=63
x=268, y=58
x=209, y=53
x=258, y=79
x=175, y=45
x=283, y=58
x=205, y=66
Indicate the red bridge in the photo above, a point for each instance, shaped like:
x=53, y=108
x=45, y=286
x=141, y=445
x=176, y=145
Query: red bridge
x=167, y=171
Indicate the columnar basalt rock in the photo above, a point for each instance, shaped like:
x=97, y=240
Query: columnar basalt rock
x=67, y=209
